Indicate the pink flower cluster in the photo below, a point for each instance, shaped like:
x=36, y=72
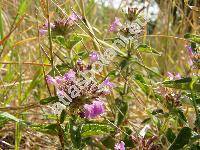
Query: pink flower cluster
x=69, y=22
x=115, y=25
x=120, y=146
x=194, y=57
x=44, y=28
x=173, y=76
x=78, y=88
x=95, y=109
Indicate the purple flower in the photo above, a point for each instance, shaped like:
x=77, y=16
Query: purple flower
x=178, y=76
x=70, y=74
x=190, y=62
x=106, y=82
x=58, y=80
x=120, y=146
x=95, y=109
x=189, y=48
x=50, y=79
x=94, y=56
x=79, y=62
x=114, y=26
x=42, y=31
x=173, y=76
x=72, y=18
x=51, y=25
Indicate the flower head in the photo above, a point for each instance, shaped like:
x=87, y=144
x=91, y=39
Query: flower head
x=44, y=28
x=58, y=80
x=189, y=48
x=42, y=31
x=114, y=26
x=173, y=76
x=120, y=146
x=50, y=79
x=190, y=62
x=94, y=56
x=106, y=82
x=70, y=74
x=72, y=18
x=95, y=109
x=51, y=25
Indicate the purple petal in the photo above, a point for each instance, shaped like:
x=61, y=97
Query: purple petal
x=108, y=83
x=42, y=31
x=50, y=79
x=178, y=76
x=94, y=56
x=98, y=107
x=190, y=62
x=170, y=75
x=88, y=111
x=93, y=110
x=79, y=62
x=120, y=146
x=114, y=26
x=73, y=17
x=70, y=74
x=189, y=48
x=51, y=25
x=59, y=79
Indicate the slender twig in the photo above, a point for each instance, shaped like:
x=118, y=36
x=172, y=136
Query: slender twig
x=25, y=63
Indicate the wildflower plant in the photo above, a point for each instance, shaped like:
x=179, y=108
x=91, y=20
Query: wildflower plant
x=96, y=99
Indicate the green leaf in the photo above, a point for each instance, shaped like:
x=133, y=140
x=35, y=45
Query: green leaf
x=145, y=67
x=127, y=137
x=48, y=100
x=192, y=37
x=3, y=121
x=63, y=116
x=36, y=80
x=109, y=142
x=89, y=6
x=75, y=132
x=123, y=63
x=181, y=116
x=170, y=135
x=68, y=43
x=23, y=5
x=62, y=69
x=122, y=108
x=195, y=147
x=92, y=129
x=142, y=84
x=182, y=139
x=145, y=121
x=51, y=129
x=195, y=137
x=83, y=54
x=112, y=74
x=9, y=116
x=183, y=84
x=147, y=49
